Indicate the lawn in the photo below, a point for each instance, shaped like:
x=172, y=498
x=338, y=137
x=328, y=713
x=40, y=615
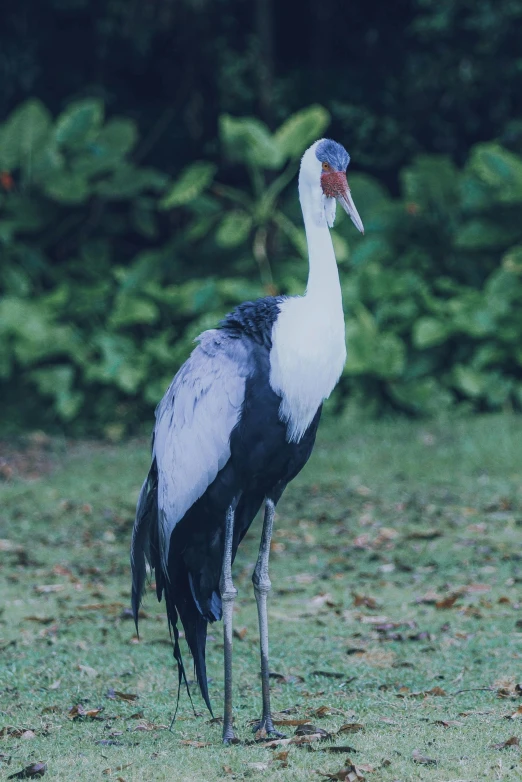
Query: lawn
x=395, y=617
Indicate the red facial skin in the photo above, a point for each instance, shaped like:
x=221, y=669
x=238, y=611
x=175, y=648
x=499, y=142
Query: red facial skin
x=334, y=184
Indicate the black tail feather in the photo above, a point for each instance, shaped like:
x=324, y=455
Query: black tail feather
x=178, y=595
x=195, y=627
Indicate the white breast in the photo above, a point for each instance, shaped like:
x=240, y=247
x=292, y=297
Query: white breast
x=306, y=360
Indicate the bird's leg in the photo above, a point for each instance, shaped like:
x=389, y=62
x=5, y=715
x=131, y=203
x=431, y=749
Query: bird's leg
x=262, y=587
x=228, y=595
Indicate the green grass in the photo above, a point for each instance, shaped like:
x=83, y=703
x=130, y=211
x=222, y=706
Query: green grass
x=389, y=512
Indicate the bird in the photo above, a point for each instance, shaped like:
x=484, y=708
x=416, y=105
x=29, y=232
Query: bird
x=236, y=425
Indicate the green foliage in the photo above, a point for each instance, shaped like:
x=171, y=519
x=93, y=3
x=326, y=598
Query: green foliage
x=110, y=270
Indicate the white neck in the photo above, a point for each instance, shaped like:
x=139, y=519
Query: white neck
x=323, y=277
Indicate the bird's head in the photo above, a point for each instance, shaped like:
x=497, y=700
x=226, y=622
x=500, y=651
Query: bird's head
x=323, y=174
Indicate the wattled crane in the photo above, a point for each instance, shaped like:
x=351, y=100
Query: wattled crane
x=237, y=423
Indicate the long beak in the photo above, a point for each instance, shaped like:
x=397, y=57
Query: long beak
x=346, y=201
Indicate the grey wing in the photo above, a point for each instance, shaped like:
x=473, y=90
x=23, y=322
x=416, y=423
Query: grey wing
x=194, y=422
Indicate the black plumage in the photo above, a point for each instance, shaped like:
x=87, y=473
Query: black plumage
x=259, y=467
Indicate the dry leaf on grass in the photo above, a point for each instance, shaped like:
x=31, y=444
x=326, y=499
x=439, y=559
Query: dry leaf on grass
x=365, y=600
x=16, y=733
x=30, y=772
x=148, y=726
x=291, y=678
x=309, y=739
x=348, y=773
x=46, y=589
x=514, y=715
x=116, y=768
x=512, y=742
x=351, y=727
x=80, y=711
x=129, y=697
x=329, y=674
x=449, y=601
x=418, y=757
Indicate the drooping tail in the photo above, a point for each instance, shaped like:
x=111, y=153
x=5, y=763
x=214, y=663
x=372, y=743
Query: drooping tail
x=178, y=596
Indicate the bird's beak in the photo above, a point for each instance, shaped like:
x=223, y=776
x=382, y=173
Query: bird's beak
x=345, y=199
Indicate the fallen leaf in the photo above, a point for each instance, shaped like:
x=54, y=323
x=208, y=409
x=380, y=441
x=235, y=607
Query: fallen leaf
x=116, y=768
x=418, y=757
x=261, y=734
x=515, y=715
x=289, y=679
x=30, y=772
x=435, y=691
x=148, y=726
x=351, y=727
x=365, y=600
x=16, y=733
x=349, y=773
x=290, y=722
x=424, y=534
x=311, y=730
x=338, y=748
x=282, y=756
x=258, y=766
x=240, y=633
x=45, y=589
x=55, y=685
x=275, y=743
x=322, y=711
x=81, y=711
x=512, y=742
x=121, y=696
x=448, y=602
x=51, y=709
x=44, y=620
x=329, y=674
x=448, y=723
x=227, y=770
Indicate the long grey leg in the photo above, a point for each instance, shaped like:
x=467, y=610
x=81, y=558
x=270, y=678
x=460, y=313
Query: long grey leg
x=228, y=595
x=262, y=587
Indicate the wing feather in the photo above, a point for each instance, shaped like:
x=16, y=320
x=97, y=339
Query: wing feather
x=194, y=422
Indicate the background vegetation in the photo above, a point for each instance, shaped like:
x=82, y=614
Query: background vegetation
x=140, y=199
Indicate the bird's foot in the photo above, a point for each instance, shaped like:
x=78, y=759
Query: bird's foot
x=265, y=729
x=229, y=737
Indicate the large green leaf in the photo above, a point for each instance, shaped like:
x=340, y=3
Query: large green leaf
x=131, y=310
x=193, y=180
x=127, y=181
x=428, y=332
x=500, y=169
x=23, y=134
x=79, y=123
x=300, y=130
x=67, y=187
x=233, y=229
x=248, y=140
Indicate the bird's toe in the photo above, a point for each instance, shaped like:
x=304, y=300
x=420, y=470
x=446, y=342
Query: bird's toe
x=264, y=729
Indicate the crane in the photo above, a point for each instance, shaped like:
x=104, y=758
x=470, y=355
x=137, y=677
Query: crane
x=236, y=425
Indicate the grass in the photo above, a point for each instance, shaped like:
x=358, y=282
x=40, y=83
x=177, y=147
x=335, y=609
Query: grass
x=387, y=520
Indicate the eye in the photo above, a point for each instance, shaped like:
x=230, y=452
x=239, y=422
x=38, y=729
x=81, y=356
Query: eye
x=326, y=166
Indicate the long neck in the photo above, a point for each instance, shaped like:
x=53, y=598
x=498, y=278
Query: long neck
x=323, y=277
